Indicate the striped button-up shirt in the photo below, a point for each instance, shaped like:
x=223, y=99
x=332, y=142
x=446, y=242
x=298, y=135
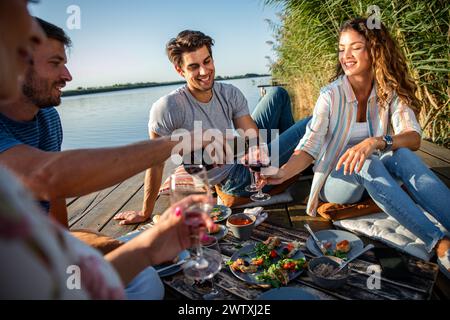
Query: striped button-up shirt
x=328, y=132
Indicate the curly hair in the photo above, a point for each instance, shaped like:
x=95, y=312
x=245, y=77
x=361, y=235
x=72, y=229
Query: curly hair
x=388, y=64
x=187, y=41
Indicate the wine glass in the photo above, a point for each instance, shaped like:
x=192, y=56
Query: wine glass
x=181, y=186
x=210, y=243
x=258, y=157
x=252, y=187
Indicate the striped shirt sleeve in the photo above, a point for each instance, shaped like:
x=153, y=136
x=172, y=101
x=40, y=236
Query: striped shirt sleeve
x=403, y=117
x=7, y=141
x=317, y=127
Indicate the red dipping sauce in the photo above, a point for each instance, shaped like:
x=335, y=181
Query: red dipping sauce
x=240, y=221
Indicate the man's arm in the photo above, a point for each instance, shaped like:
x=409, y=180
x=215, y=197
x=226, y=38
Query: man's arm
x=152, y=183
x=57, y=175
x=58, y=211
x=246, y=123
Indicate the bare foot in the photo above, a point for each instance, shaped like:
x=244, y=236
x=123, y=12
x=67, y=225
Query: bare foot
x=130, y=217
x=442, y=247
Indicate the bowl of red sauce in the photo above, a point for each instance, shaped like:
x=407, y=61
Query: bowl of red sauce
x=241, y=225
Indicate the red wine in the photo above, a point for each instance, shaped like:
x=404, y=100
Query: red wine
x=256, y=167
x=192, y=169
x=193, y=218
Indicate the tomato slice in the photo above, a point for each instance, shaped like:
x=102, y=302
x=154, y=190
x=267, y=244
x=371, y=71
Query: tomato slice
x=289, y=265
x=273, y=254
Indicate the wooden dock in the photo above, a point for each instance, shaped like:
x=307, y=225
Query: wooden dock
x=95, y=211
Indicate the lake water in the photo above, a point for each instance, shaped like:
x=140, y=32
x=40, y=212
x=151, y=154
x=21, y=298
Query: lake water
x=121, y=117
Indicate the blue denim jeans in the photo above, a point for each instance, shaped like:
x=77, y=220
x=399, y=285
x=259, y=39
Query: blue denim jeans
x=272, y=112
x=378, y=178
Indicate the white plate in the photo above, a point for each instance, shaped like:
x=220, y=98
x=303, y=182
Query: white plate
x=335, y=236
x=176, y=268
x=224, y=213
x=221, y=234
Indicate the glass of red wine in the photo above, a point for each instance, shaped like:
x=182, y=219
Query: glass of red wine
x=258, y=157
x=195, y=181
x=211, y=247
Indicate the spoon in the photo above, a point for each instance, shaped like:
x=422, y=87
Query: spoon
x=342, y=265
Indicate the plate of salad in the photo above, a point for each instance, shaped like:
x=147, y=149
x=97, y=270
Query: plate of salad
x=220, y=213
x=271, y=262
x=338, y=243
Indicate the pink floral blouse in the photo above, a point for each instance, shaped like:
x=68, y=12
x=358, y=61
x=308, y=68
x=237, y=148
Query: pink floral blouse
x=40, y=260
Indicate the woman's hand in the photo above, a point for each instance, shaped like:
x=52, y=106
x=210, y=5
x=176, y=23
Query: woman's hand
x=277, y=178
x=171, y=235
x=357, y=155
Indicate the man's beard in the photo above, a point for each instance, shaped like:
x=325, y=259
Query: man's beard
x=38, y=91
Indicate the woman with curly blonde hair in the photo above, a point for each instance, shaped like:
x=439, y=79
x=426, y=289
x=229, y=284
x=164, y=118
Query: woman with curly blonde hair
x=362, y=137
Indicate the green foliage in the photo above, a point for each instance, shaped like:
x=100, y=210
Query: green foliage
x=306, y=44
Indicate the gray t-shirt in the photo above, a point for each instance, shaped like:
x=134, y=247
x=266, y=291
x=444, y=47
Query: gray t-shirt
x=179, y=109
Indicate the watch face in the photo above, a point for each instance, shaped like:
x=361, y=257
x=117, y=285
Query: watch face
x=389, y=141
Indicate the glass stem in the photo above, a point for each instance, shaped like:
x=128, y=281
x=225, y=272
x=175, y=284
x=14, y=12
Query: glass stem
x=252, y=179
x=197, y=247
x=213, y=286
x=259, y=189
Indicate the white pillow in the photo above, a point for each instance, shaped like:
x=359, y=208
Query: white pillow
x=382, y=227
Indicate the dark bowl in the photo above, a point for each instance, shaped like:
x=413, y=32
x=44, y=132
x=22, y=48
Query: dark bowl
x=328, y=283
x=242, y=232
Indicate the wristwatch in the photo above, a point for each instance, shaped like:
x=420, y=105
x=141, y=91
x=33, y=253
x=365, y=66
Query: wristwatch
x=389, y=142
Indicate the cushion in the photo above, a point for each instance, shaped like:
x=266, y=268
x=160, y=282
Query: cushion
x=179, y=171
x=380, y=226
x=334, y=211
x=96, y=240
x=280, y=194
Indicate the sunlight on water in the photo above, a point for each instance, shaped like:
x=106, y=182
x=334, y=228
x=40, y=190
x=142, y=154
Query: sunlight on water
x=121, y=117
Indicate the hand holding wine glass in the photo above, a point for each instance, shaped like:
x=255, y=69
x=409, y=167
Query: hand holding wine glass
x=258, y=157
x=203, y=264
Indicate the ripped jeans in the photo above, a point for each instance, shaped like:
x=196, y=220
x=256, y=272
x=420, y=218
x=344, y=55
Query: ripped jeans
x=378, y=178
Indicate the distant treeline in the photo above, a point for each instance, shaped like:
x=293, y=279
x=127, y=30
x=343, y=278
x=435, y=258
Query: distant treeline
x=127, y=86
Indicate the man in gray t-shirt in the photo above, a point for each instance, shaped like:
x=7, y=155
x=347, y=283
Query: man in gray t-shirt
x=179, y=109
x=218, y=106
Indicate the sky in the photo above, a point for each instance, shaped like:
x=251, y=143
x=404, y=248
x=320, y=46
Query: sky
x=124, y=41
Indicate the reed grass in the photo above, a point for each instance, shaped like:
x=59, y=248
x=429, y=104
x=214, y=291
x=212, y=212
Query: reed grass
x=306, y=46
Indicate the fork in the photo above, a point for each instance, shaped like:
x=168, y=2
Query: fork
x=316, y=241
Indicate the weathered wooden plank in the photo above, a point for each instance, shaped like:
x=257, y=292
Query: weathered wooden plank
x=436, y=164
x=100, y=214
x=113, y=228
x=69, y=201
x=177, y=282
x=298, y=216
x=436, y=151
x=83, y=205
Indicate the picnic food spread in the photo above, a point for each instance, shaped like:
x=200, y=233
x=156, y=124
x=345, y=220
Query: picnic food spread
x=326, y=270
x=240, y=221
x=215, y=213
x=215, y=228
x=272, y=260
x=342, y=248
